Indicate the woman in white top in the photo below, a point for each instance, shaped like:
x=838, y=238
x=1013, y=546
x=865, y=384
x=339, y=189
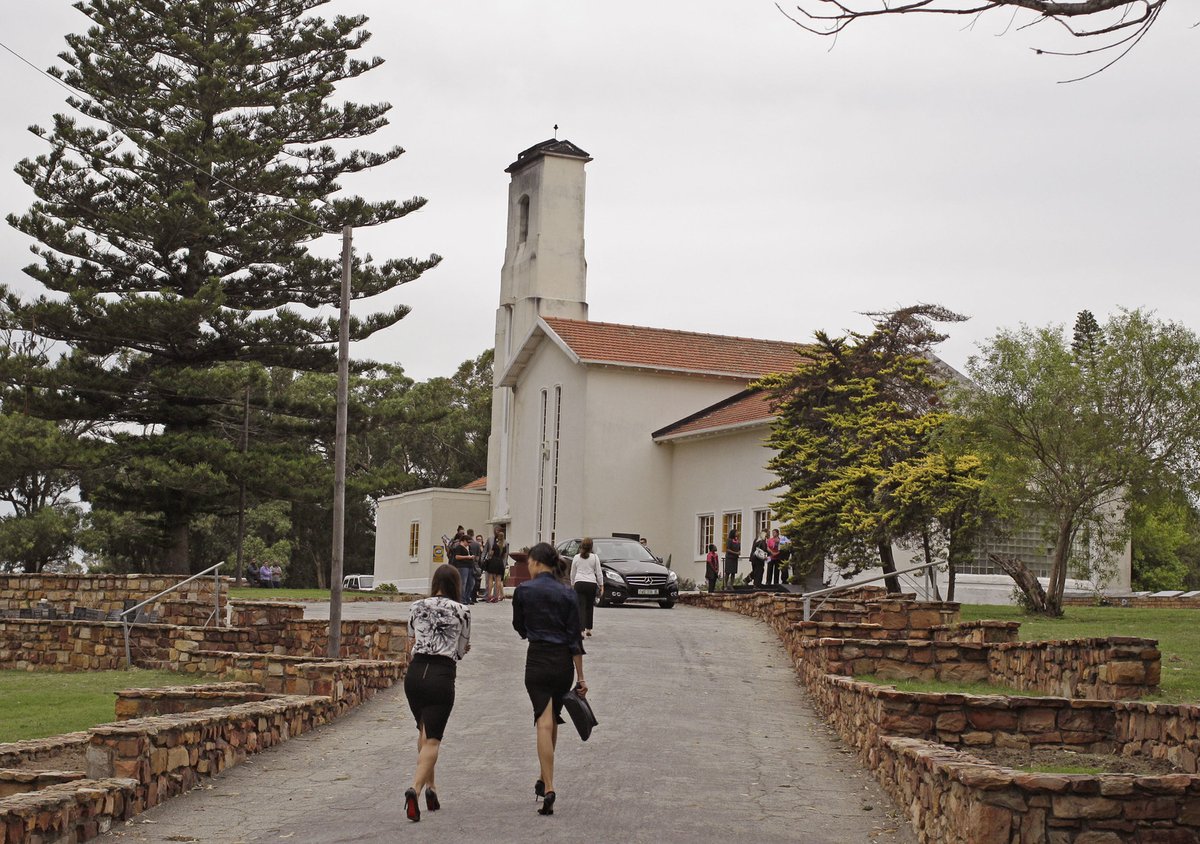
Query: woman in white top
x=588, y=579
x=439, y=635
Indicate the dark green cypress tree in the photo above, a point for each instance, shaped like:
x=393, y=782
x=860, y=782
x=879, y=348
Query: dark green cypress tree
x=172, y=220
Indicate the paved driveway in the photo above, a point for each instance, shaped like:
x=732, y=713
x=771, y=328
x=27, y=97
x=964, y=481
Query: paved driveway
x=705, y=735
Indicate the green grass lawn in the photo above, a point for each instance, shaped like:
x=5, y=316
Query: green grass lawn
x=36, y=704
x=254, y=593
x=1177, y=632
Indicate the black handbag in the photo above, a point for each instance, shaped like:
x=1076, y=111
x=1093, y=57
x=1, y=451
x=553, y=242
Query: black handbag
x=581, y=713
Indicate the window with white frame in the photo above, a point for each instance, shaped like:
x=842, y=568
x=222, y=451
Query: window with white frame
x=414, y=539
x=705, y=524
x=762, y=523
x=730, y=521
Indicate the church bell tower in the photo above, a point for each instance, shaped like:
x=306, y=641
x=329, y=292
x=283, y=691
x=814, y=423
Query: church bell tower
x=544, y=274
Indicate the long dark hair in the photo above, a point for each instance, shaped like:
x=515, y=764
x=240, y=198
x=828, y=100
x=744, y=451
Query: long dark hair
x=445, y=582
x=545, y=554
x=585, y=547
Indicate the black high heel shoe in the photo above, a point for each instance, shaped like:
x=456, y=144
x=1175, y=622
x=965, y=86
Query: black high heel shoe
x=411, y=809
x=431, y=801
x=539, y=789
x=547, y=804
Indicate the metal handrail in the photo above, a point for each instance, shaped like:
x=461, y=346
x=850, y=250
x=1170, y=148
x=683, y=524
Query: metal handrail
x=215, y=615
x=832, y=590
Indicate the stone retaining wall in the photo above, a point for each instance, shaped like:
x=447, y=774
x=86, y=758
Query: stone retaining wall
x=40, y=644
x=1116, y=668
x=16, y=753
x=167, y=754
x=172, y=700
x=954, y=798
x=18, y=782
x=105, y=592
x=253, y=613
x=347, y=682
x=67, y=812
x=1177, y=601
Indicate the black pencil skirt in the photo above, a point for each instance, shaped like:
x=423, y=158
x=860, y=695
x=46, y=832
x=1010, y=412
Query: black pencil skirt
x=549, y=674
x=429, y=687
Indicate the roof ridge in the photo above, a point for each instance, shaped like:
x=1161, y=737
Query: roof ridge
x=792, y=344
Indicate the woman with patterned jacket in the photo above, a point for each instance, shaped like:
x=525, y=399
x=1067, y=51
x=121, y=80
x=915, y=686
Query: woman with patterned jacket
x=439, y=635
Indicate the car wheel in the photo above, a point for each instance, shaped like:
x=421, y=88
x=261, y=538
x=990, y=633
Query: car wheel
x=666, y=605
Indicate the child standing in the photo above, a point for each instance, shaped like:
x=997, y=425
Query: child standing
x=712, y=568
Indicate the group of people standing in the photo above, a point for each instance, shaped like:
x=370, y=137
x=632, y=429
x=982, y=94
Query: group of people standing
x=767, y=553
x=474, y=558
x=546, y=613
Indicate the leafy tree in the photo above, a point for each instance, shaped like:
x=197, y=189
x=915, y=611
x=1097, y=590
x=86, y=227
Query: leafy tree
x=172, y=223
x=850, y=413
x=1066, y=441
x=1165, y=538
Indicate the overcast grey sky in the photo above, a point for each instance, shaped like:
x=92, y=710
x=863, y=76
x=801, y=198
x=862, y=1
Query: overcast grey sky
x=748, y=179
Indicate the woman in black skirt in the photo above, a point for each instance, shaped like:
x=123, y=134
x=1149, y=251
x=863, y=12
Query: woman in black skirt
x=546, y=612
x=439, y=634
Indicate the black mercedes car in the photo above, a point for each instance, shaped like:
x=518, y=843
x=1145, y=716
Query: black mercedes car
x=631, y=573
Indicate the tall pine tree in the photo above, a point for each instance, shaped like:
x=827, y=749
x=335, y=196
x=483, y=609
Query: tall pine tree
x=173, y=217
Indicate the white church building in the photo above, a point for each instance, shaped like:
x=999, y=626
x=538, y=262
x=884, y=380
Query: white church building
x=602, y=428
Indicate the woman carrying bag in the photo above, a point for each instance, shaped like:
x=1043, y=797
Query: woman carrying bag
x=546, y=613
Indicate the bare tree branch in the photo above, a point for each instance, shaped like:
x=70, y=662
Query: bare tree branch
x=1127, y=20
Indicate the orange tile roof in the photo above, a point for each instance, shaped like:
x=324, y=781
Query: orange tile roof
x=744, y=408
x=478, y=483
x=681, y=351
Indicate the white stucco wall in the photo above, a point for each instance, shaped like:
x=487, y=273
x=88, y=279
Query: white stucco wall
x=437, y=511
x=714, y=475
x=547, y=369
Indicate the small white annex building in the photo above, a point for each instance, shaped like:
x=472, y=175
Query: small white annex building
x=601, y=428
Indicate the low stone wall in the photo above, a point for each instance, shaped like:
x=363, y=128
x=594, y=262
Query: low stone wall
x=18, y=782
x=16, y=753
x=172, y=700
x=1116, y=668
x=105, y=592
x=347, y=682
x=182, y=613
x=984, y=632
x=167, y=754
x=40, y=644
x=954, y=798
x=1176, y=601
x=254, y=613
x=67, y=812
x=961, y=662
x=901, y=615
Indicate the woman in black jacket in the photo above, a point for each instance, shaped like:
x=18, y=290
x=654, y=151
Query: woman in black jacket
x=546, y=612
x=733, y=549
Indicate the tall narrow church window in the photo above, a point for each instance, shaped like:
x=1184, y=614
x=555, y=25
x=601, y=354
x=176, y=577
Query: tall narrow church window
x=541, y=471
x=554, y=467
x=414, y=539
x=523, y=219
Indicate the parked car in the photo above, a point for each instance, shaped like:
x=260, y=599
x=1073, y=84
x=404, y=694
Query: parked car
x=359, y=582
x=631, y=573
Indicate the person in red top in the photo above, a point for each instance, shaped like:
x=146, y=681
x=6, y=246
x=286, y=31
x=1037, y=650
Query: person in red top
x=773, y=560
x=712, y=568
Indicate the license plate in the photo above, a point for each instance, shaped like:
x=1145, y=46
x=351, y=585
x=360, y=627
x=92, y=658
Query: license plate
x=647, y=591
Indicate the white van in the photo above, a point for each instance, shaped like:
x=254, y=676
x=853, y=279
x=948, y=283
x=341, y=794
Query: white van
x=359, y=582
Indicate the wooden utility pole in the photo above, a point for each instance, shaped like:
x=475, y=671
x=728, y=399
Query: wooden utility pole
x=241, y=530
x=339, y=455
